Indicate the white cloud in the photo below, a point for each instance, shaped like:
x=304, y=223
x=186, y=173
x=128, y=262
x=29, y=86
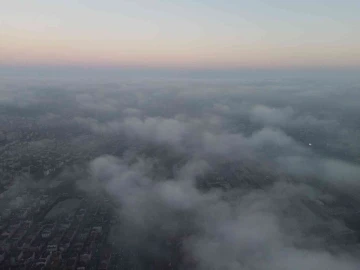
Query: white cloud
x=251, y=230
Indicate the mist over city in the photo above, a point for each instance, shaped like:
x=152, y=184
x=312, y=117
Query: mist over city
x=182, y=174
x=180, y=135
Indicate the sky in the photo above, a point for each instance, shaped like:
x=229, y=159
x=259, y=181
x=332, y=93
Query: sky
x=184, y=34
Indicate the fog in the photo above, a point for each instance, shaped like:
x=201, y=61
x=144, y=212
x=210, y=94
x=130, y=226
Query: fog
x=273, y=144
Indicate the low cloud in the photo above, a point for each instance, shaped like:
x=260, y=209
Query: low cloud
x=236, y=175
x=272, y=116
x=257, y=229
x=161, y=130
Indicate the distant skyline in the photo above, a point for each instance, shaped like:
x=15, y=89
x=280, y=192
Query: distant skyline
x=268, y=34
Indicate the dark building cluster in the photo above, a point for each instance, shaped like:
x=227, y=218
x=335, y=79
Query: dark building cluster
x=67, y=240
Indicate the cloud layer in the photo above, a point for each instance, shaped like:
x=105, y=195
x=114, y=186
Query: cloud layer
x=212, y=175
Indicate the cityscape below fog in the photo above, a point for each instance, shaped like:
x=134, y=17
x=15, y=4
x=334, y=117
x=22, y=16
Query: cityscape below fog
x=180, y=135
x=177, y=174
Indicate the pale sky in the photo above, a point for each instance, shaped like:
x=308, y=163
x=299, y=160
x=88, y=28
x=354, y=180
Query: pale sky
x=181, y=34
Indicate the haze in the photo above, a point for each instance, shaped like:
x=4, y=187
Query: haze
x=181, y=34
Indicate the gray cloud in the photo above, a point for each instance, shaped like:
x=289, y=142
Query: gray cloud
x=190, y=130
x=96, y=102
x=248, y=230
x=272, y=116
x=203, y=137
x=156, y=129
